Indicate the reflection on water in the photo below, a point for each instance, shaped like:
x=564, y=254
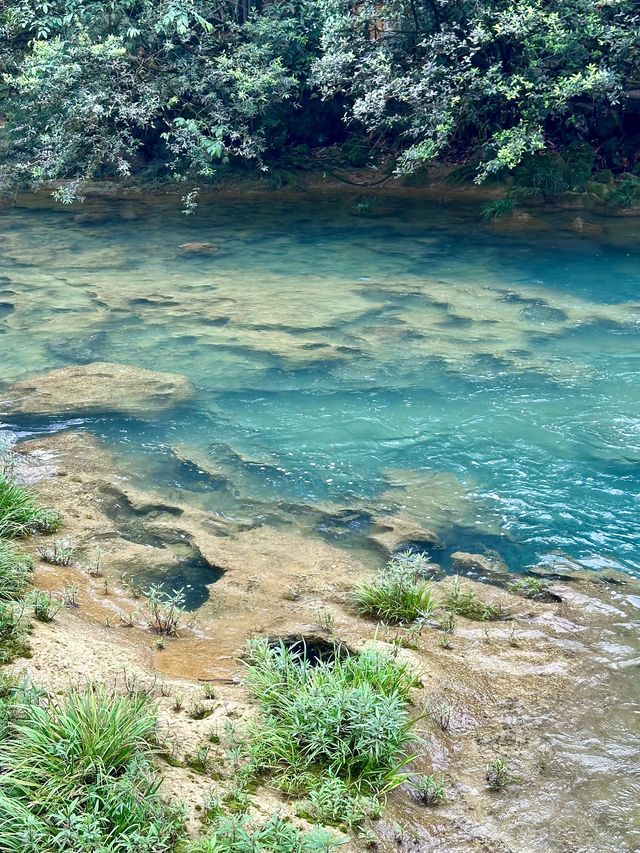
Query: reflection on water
x=481, y=383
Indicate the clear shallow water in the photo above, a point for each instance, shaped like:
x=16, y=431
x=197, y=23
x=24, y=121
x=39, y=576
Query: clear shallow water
x=482, y=383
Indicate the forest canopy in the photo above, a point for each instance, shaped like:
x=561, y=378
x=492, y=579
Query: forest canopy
x=186, y=88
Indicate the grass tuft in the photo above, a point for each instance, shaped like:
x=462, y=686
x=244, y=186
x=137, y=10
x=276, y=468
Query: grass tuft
x=430, y=790
x=398, y=595
x=464, y=601
x=15, y=569
x=234, y=834
x=342, y=723
x=78, y=776
x=20, y=512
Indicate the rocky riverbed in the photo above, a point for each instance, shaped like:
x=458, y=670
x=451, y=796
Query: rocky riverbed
x=550, y=687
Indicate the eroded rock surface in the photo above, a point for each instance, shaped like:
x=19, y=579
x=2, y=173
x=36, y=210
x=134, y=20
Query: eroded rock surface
x=97, y=387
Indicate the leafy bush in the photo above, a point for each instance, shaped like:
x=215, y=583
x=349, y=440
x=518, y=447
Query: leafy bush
x=345, y=720
x=397, y=595
x=94, y=89
x=235, y=835
x=78, y=777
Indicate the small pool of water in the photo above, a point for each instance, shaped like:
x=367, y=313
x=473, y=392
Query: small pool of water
x=481, y=382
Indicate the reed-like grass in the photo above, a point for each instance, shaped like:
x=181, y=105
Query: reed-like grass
x=398, y=595
x=464, y=601
x=78, y=776
x=13, y=633
x=20, y=512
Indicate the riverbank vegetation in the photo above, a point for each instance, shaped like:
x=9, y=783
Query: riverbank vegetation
x=80, y=771
x=188, y=89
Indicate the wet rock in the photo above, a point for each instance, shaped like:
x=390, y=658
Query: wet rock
x=197, y=248
x=91, y=217
x=483, y=563
x=520, y=221
x=97, y=387
x=587, y=228
x=395, y=534
x=344, y=524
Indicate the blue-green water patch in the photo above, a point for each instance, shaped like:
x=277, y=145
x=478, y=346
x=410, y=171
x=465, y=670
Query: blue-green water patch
x=482, y=384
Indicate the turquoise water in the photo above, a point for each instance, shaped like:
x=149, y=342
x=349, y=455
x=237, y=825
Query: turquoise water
x=481, y=382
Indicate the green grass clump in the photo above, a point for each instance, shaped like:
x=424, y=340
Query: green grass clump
x=13, y=633
x=464, y=601
x=45, y=606
x=234, y=834
x=398, y=595
x=498, y=208
x=530, y=587
x=430, y=790
x=15, y=569
x=345, y=719
x=77, y=776
x=20, y=512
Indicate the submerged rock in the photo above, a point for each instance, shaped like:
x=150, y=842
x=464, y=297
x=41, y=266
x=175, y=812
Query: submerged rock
x=197, y=248
x=397, y=533
x=483, y=563
x=589, y=228
x=97, y=387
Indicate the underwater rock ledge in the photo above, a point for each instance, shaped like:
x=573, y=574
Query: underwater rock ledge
x=97, y=387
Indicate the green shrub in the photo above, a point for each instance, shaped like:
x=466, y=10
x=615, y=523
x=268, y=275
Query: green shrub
x=333, y=803
x=604, y=176
x=78, y=777
x=345, y=719
x=546, y=173
x=15, y=569
x=579, y=159
x=235, y=835
x=20, y=513
x=397, y=595
x=463, y=174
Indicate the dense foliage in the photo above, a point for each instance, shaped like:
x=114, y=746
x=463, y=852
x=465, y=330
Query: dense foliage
x=338, y=730
x=77, y=776
x=181, y=87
